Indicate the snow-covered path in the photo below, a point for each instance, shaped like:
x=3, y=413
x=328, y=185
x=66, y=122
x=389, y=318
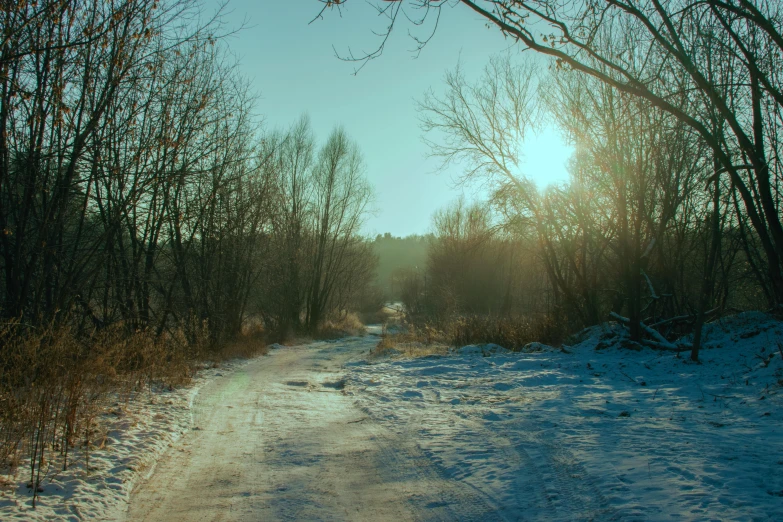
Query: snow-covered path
x=597, y=432
x=279, y=440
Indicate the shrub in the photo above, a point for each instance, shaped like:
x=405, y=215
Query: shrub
x=413, y=341
x=54, y=385
x=511, y=333
x=344, y=324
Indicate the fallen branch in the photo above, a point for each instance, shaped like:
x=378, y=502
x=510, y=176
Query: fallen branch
x=682, y=318
x=660, y=342
x=654, y=333
x=620, y=318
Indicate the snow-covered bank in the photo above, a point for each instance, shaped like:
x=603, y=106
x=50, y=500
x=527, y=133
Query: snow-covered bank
x=595, y=432
x=137, y=434
x=600, y=432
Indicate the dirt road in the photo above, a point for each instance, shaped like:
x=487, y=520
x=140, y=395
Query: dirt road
x=279, y=440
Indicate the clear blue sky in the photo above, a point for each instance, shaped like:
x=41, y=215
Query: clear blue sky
x=293, y=68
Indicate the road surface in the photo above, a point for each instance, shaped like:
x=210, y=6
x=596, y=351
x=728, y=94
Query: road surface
x=279, y=439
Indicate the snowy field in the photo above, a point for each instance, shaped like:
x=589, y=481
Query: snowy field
x=600, y=434
x=138, y=433
x=592, y=432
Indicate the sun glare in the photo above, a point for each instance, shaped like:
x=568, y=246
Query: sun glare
x=545, y=156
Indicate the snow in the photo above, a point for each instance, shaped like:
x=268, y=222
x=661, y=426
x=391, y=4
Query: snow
x=138, y=433
x=598, y=431
x=589, y=431
x=481, y=349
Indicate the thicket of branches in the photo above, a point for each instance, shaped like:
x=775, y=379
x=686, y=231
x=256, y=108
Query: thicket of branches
x=142, y=206
x=135, y=185
x=673, y=208
x=319, y=264
x=398, y=258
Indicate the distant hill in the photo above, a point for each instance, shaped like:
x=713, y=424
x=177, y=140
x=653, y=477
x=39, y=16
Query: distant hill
x=397, y=255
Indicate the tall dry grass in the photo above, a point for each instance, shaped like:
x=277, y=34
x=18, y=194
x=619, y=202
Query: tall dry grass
x=341, y=325
x=412, y=341
x=512, y=333
x=54, y=385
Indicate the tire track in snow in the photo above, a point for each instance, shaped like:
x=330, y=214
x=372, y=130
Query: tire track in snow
x=281, y=440
x=516, y=470
x=497, y=487
x=572, y=492
x=441, y=497
x=491, y=455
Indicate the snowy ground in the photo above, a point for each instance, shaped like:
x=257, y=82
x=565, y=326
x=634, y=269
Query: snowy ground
x=280, y=440
x=607, y=434
x=324, y=432
x=138, y=433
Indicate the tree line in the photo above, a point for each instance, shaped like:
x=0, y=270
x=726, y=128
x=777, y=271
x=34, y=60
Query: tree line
x=147, y=219
x=137, y=187
x=672, y=210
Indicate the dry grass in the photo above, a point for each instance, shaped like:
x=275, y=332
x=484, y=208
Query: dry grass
x=54, y=386
x=512, y=333
x=252, y=342
x=343, y=325
x=412, y=342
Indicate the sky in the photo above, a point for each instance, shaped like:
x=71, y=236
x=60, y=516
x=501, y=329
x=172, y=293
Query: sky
x=293, y=69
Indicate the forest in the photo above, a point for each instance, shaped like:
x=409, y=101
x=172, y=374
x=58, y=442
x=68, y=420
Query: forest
x=147, y=218
x=671, y=215
x=150, y=220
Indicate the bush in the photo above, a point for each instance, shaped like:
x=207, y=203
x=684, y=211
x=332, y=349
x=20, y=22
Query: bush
x=413, y=342
x=342, y=325
x=511, y=333
x=54, y=385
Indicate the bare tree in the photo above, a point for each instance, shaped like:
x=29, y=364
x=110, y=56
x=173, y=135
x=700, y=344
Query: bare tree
x=291, y=159
x=341, y=200
x=65, y=67
x=660, y=51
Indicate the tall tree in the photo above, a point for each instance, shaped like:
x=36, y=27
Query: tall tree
x=341, y=200
x=658, y=51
